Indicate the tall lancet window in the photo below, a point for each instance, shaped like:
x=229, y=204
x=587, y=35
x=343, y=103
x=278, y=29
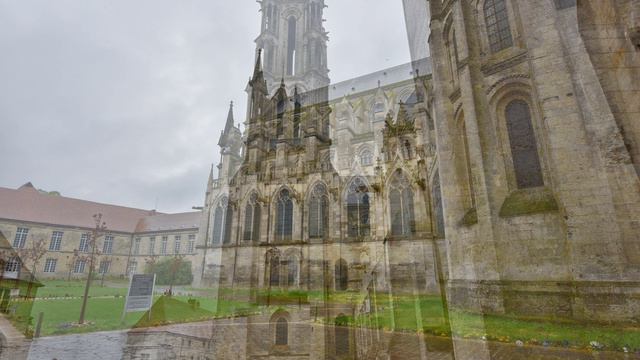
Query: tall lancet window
x=268, y=17
x=401, y=206
x=524, y=148
x=280, y=108
x=282, y=332
x=296, y=119
x=496, y=18
x=219, y=222
x=358, y=209
x=228, y=224
x=274, y=268
x=284, y=216
x=291, y=47
x=252, y=219
x=318, y=212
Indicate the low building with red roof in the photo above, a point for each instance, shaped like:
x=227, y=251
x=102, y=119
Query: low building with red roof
x=133, y=236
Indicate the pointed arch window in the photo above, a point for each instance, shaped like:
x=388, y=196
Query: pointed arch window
x=358, y=209
x=401, y=206
x=284, y=217
x=366, y=158
x=291, y=46
x=228, y=224
x=318, y=212
x=496, y=19
x=342, y=275
x=297, y=108
x=282, y=331
x=407, y=150
x=274, y=269
x=292, y=271
x=252, y=219
x=219, y=222
x=524, y=148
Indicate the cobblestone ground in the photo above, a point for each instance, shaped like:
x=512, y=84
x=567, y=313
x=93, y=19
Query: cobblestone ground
x=95, y=346
x=109, y=346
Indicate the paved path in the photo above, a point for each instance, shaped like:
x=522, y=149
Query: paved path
x=105, y=345
x=109, y=346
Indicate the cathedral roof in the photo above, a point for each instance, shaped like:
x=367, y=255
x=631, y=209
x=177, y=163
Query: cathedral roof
x=384, y=77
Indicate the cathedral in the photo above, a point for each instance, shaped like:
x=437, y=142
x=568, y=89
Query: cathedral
x=500, y=173
x=327, y=185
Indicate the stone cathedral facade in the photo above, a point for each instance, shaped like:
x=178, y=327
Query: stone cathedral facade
x=519, y=144
x=536, y=109
x=327, y=184
x=501, y=173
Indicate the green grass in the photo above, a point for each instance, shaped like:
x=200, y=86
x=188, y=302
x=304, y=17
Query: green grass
x=499, y=328
x=104, y=314
x=536, y=331
x=75, y=288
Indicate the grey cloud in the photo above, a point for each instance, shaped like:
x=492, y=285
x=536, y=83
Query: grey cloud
x=123, y=101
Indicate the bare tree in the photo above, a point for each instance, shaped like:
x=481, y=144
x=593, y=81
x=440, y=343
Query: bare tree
x=31, y=255
x=97, y=232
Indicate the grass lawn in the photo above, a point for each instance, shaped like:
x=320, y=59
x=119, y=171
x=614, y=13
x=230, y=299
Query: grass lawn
x=499, y=328
x=104, y=314
x=75, y=288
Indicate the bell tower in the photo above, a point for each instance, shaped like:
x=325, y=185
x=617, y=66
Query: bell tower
x=294, y=44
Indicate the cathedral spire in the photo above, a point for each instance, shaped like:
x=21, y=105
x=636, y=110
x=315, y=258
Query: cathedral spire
x=226, y=135
x=230, y=122
x=257, y=70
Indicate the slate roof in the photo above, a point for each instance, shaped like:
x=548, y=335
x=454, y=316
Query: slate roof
x=30, y=205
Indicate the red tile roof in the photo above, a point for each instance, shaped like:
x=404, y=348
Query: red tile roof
x=28, y=204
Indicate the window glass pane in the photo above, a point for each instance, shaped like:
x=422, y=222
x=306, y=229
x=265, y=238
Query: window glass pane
x=497, y=23
x=282, y=330
x=524, y=149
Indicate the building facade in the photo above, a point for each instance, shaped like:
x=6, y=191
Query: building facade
x=63, y=226
x=536, y=134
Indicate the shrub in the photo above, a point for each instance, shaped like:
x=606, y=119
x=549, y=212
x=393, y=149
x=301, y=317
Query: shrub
x=170, y=270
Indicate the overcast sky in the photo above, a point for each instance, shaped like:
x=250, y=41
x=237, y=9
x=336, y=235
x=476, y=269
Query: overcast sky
x=122, y=101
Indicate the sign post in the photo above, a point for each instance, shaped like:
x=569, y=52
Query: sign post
x=140, y=294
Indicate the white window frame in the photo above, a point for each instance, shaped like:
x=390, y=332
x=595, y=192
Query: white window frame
x=177, y=244
x=191, y=247
x=56, y=241
x=50, y=265
x=136, y=246
x=107, y=247
x=152, y=245
x=21, y=238
x=84, y=243
x=164, y=245
x=78, y=267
